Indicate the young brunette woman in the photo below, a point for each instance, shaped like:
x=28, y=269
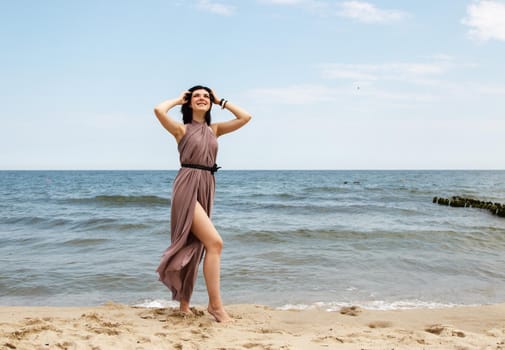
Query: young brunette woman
x=193, y=234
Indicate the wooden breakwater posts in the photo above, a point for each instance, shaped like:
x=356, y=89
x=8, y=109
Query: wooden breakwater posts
x=461, y=202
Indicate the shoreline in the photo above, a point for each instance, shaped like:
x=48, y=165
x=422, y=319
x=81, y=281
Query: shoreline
x=118, y=326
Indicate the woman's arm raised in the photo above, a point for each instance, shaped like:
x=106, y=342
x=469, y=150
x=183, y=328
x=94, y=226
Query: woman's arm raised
x=241, y=115
x=177, y=129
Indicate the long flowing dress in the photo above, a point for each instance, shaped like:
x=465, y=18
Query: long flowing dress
x=178, y=268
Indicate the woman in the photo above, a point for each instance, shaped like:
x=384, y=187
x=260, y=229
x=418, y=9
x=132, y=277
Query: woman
x=192, y=231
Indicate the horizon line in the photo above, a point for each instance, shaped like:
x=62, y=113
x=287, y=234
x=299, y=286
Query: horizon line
x=281, y=169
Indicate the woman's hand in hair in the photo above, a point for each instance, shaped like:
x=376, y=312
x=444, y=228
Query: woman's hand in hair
x=184, y=97
x=216, y=99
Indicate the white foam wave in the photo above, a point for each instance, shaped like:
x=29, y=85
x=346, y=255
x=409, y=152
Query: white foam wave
x=157, y=303
x=370, y=305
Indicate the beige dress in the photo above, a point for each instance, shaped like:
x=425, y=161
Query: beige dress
x=178, y=268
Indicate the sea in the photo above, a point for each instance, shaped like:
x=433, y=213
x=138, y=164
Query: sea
x=292, y=239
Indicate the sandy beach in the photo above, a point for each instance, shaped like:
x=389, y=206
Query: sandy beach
x=117, y=326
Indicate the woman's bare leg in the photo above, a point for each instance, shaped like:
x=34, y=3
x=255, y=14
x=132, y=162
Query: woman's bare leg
x=205, y=231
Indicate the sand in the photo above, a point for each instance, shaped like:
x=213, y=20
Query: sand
x=116, y=326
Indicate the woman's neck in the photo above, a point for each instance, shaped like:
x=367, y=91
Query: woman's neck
x=199, y=117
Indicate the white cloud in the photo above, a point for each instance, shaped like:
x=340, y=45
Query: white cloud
x=490, y=89
x=395, y=84
x=296, y=94
x=441, y=57
x=310, y=94
x=358, y=10
x=215, y=7
x=486, y=20
x=368, y=13
x=294, y=2
x=386, y=71
x=284, y=2
x=312, y=6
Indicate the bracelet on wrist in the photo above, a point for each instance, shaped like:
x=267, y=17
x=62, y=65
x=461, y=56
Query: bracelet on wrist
x=224, y=104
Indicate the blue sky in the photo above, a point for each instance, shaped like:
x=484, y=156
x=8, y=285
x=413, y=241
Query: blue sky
x=330, y=84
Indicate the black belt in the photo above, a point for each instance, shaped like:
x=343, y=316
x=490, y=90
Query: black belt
x=212, y=169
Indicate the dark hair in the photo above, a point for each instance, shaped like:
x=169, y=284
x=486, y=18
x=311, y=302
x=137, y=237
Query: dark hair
x=187, y=111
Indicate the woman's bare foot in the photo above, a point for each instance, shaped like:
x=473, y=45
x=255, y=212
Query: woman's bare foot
x=220, y=314
x=184, y=307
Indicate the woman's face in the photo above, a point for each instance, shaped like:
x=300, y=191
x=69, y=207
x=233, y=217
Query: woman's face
x=200, y=100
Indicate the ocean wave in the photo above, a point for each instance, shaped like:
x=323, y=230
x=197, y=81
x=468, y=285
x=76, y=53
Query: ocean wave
x=37, y=221
x=372, y=305
x=107, y=224
x=277, y=236
x=157, y=303
x=301, y=193
x=73, y=224
x=344, y=188
x=301, y=206
x=21, y=290
x=78, y=242
x=317, y=206
x=17, y=239
x=121, y=200
x=327, y=306
x=288, y=235
x=281, y=195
